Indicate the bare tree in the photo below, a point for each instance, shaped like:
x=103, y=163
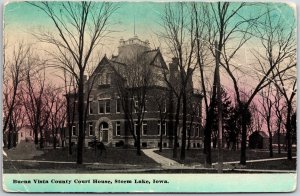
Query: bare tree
x=278, y=61
x=80, y=28
x=279, y=109
x=203, y=27
x=286, y=83
x=70, y=92
x=133, y=84
x=267, y=113
x=13, y=77
x=179, y=35
x=37, y=105
x=57, y=115
x=241, y=29
x=159, y=99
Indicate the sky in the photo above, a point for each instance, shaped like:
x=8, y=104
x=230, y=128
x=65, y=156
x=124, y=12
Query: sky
x=21, y=20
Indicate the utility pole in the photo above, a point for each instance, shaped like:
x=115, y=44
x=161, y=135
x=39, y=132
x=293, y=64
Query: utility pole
x=219, y=99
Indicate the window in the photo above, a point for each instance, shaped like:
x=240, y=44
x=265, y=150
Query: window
x=198, y=111
x=194, y=131
x=145, y=108
x=104, y=79
x=104, y=106
x=136, y=105
x=145, y=128
x=30, y=133
x=21, y=134
x=107, y=106
x=101, y=107
x=135, y=127
x=118, y=106
x=162, y=128
x=197, y=130
x=108, y=78
x=90, y=107
x=91, y=132
x=118, y=128
x=74, y=132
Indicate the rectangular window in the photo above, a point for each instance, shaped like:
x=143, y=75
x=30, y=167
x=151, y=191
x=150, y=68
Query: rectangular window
x=107, y=106
x=135, y=127
x=145, y=106
x=118, y=106
x=74, y=132
x=162, y=128
x=158, y=128
x=194, y=131
x=136, y=105
x=108, y=78
x=91, y=107
x=145, y=128
x=118, y=128
x=101, y=107
x=91, y=131
x=104, y=106
x=197, y=130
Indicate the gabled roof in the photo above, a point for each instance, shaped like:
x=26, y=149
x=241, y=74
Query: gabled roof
x=103, y=61
x=148, y=58
x=261, y=133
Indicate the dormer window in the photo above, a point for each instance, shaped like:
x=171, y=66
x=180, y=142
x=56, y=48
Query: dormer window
x=104, y=79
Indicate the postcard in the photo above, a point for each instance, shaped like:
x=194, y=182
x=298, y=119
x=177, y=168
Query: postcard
x=150, y=97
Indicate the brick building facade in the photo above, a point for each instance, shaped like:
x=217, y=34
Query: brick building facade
x=106, y=118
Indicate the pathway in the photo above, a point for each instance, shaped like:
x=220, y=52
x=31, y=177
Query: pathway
x=256, y=160
x=163, y=161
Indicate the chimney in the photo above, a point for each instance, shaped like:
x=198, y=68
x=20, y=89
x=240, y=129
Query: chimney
x=173, y=66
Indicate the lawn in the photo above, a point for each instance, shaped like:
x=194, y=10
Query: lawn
x=196, y=156
x=113, y=158
x=274, y=165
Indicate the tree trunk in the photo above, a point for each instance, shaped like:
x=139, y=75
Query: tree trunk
x=288, y=132
x=183, y=139
x=36, y=134
x=80, y=108
x=9, y=138
x=41, y=138
x=271, y=146
x=215, y=140
x=270, y=139
x=207, y=135
x=161, y=136
x=176, y=127
x=63, y=133
x=171, y=123
x=244, y=135
x=138, y=140
x=278, y=142
x=189, y=133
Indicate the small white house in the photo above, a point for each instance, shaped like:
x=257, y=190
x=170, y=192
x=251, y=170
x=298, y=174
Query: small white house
x=25, y=134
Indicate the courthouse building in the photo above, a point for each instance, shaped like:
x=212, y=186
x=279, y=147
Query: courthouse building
x=106, y=118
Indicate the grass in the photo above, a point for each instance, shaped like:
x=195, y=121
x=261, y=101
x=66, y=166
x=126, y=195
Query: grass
x=196, y=156
x=120, y=160
x=113, y=158
x=274, y=165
